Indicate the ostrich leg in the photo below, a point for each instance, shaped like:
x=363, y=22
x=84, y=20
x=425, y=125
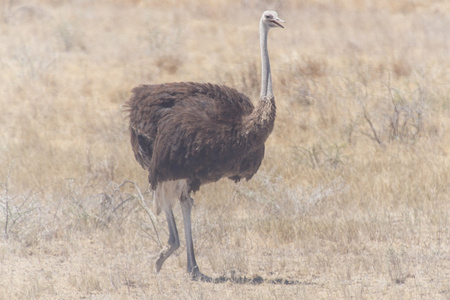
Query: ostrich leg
x=172, y=244
x=192, y=267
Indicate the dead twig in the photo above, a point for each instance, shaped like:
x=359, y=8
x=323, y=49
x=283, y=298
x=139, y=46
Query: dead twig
x=140, y=199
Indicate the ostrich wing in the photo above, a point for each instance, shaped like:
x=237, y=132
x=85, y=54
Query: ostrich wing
x=190, y=131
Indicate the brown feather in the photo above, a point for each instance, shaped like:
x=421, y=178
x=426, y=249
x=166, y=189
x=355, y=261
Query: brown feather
x=198, y=132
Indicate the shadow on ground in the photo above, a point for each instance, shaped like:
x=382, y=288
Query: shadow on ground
x=257, y=280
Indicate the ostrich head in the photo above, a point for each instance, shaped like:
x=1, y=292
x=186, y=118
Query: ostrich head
x=270, y=19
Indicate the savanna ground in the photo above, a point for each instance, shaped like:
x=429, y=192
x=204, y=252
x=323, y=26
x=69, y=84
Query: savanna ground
x=351, y=201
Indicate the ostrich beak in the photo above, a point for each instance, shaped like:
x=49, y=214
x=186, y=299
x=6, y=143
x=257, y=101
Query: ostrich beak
x=277, y=21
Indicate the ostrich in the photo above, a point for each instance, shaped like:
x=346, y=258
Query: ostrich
x=188, y=134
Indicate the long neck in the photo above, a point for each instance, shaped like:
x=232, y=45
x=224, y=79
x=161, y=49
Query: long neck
x=259, y=124
x=266, y=80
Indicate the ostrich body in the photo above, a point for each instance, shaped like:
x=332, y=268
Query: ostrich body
x=188, y=134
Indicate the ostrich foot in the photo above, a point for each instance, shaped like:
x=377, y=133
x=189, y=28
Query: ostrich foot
x=196, y=275
x=163, y=255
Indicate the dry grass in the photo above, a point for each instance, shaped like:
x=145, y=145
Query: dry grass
x=352, y=200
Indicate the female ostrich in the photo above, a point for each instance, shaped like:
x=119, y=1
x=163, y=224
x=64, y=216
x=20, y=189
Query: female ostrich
x=188, y=134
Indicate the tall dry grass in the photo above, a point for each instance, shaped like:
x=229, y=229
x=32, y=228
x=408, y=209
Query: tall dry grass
x=352, y=199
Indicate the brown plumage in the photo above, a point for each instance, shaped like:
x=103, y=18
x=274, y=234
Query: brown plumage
x=188, y=134
x=199, y=132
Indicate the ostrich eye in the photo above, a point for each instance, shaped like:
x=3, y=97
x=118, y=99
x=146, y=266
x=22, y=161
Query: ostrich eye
x=268, y=16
